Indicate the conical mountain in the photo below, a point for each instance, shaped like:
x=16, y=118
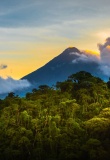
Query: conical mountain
x=70, y=61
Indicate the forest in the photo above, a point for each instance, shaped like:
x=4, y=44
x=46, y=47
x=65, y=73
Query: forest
x=68, y=121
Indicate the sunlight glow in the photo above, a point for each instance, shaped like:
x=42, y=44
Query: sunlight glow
x=92, y=52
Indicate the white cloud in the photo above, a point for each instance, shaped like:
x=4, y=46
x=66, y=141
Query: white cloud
x=10, y=85
x=85, y=57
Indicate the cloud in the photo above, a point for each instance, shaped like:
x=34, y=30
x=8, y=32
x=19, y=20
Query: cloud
x=103, y=46
x=105, y=57
x=3, y=66
x=85, y=57
x=10, y=85
x=105, y=51
x=105, y=69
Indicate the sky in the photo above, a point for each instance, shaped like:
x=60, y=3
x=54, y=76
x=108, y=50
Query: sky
x=32, y=32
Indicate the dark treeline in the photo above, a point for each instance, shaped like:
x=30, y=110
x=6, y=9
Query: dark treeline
x=70, y=121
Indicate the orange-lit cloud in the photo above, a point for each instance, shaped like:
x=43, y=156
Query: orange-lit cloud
x=92, y=52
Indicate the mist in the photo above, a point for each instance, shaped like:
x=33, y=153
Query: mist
x=10, y=85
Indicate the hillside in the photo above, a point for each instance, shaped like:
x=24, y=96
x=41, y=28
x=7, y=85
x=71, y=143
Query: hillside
x=66, y=123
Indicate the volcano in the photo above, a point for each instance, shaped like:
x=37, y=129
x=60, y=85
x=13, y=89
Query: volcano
x=70, y=61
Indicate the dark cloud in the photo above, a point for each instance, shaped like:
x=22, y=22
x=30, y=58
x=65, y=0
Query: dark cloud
x=10, y=85
x=3, y=66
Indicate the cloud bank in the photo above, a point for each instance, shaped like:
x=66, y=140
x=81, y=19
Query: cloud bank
x=10, y=85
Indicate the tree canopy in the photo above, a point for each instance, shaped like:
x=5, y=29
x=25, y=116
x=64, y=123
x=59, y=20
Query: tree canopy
x=69, y=122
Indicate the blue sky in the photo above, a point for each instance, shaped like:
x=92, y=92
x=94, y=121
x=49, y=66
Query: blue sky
x=32, y=32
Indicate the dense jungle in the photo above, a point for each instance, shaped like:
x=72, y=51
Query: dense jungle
x=68, y=121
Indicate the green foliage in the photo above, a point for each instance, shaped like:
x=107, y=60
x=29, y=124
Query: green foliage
x=71, y=122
